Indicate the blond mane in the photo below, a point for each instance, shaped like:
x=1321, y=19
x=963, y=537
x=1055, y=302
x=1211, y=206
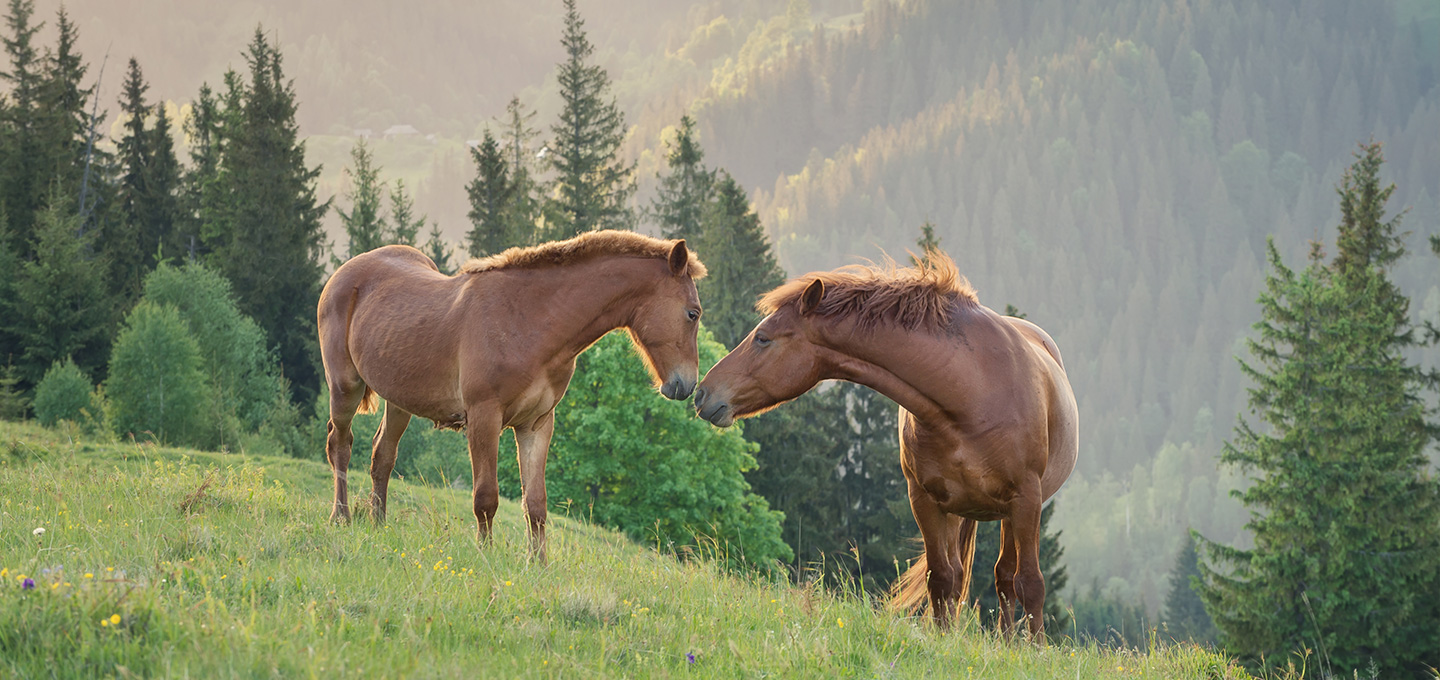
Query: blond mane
x=914, y=298
x=584, y=247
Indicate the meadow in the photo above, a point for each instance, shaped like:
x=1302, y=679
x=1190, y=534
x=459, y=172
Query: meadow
x=134, y=560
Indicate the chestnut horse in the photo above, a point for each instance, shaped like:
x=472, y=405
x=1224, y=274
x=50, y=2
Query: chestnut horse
x=494, y=346
x=988, y=424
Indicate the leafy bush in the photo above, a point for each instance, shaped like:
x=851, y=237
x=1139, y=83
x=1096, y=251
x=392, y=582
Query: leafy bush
x=243, y=373
x=156, y=387
x=66, y=393
x=630, y=459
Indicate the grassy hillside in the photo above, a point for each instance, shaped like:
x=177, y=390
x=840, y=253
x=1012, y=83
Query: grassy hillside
x=168, y=562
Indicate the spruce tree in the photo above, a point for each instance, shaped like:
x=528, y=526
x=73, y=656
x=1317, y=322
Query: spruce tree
x=491, y=193
x=1185, y=617
x=732, y=238
x=60, y=303
x=682, y=195
x=592, y=186
x=405, y=227
x=518, y=134
x=125, y=246
x=439, y=250
x=267, y=238
x=927, y=242
x=22, y=174
x=1345, y=515
x=364, y=226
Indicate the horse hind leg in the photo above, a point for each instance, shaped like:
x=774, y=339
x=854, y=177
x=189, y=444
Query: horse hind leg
x=344, y=399
x=385, y=449
x=1005, y=577
x=1029, y=584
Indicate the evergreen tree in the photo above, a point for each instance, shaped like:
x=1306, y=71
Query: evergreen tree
x=12, y=401
x=22, y=176
x=1184, y=613
x=60, y=301
x=125, y=246
x=732, y=237
x=439, y=251
x=267, y=239
x=65, y=124
x=491, y=192
x=592, y=186
x=204, y=203
x=518, y=135
x=405, y=226
x=65, y=393
x=363, y=224
x=927, y=242
x=1345, y=517
x=683, y=195
x=163, y=201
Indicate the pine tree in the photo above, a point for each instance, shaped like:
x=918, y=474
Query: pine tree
x=267, y=238
x=60, y=302
x=1345, y=517
x=592, y=186
x=743, y=263
x=1185, y=617
x=682, y=195
x=405, y=227
x=491, y=193
x=364, y=225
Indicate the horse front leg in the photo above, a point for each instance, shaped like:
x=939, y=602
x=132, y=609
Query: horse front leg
x=382, y=458
x=482, y=433
x=946, y=579
x=532, y=447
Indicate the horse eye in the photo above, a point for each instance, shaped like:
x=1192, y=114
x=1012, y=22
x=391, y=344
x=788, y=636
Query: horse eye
x=762, y=341
x=694, y=315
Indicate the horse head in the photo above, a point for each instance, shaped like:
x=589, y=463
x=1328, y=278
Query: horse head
x=777, y=362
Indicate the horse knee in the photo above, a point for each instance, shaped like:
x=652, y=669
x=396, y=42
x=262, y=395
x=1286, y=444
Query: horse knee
x=535, y=510
x=487, y=501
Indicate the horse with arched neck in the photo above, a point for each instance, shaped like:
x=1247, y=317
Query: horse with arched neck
x=494, y=346
x=988, y=423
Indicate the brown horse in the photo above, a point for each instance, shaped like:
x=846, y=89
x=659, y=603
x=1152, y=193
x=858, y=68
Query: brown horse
x=494, y=346
x=988, y=424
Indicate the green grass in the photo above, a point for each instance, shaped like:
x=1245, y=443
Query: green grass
x=159, y=562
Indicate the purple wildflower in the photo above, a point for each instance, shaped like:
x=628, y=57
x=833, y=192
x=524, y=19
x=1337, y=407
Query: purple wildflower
x=28, y=584
x=690, y=656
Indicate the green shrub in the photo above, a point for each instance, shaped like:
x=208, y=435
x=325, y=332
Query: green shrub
x=66, y=393
x=156, y=388
x=243, y=373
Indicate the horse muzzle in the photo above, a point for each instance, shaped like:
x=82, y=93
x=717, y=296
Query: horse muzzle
x=715, y=410
x=677, y=388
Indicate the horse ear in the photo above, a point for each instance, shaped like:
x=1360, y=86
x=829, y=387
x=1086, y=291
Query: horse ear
x=810, y=299
x=679, y=258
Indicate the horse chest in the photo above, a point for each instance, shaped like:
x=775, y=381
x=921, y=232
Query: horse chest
x=534, y=401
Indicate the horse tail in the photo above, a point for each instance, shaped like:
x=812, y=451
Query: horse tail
x=369, y=403
x=910, y=592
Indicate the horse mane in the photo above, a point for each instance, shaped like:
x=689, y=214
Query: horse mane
x=913, y=298
x=587, y=246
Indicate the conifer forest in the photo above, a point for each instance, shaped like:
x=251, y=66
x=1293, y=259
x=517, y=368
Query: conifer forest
x=1225, y=212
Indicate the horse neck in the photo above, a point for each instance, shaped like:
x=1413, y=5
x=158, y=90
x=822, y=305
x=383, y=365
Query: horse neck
x=600, y=296
x=893, y=361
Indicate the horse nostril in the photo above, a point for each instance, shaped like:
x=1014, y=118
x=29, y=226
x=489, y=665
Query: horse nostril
x=699, y=397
